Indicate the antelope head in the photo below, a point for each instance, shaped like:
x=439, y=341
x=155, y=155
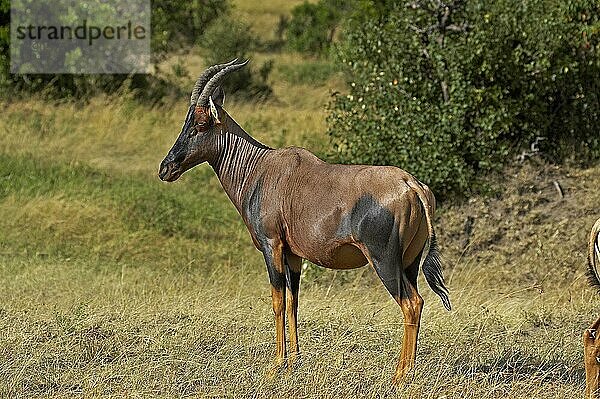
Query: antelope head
x=195, y=143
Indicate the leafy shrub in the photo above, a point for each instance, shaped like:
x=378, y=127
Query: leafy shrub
x=5, y=38
x=454, y=92
x=175, y=25
x=4, y=41
x=226, y=39
x=178, y=24
x=312, y=27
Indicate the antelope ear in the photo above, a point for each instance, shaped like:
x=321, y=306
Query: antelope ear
x=213, y=110
x=218, y=96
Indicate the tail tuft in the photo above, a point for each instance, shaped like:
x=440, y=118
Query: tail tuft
x=432, y=269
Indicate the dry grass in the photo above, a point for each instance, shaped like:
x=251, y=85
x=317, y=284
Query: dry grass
x=71, y=328
x=116, y=285
x=116, y=133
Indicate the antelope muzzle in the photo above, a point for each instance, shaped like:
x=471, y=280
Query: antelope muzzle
x=169, y=170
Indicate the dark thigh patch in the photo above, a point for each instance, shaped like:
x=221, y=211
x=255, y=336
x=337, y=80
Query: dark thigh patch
x=375, y=227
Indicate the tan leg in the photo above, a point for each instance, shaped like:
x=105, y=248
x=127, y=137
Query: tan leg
x=412, y=305
x=591, y=350
x=293, y=286
x=278, y=296
x=275, y=267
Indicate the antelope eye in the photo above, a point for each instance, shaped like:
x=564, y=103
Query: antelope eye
x=201, y=126
x=193, y=131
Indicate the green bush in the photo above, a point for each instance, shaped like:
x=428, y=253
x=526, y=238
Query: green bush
x=175, y=25
x=451, y=94
x=226, y=39
x=313, y=27
x=4, y=40
x=178, y=24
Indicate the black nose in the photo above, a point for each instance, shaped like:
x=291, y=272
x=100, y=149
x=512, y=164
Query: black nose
x=163, y=171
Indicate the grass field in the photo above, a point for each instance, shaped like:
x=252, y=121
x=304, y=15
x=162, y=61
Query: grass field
x=116, y=285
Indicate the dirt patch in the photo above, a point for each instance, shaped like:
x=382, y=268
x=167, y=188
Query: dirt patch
x=533, y=230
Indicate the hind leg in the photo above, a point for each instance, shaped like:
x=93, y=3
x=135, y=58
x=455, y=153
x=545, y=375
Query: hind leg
x=293, y=269
x=402, y=286
x=392, y=239
x=411, y=304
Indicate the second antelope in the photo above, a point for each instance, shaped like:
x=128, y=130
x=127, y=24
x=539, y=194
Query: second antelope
x=299, y=207
x=591, y=336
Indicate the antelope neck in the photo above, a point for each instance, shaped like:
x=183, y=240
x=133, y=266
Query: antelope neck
x=237, y=157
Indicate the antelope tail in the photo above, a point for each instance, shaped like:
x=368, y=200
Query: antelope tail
x=594, y=256
x=430, y=258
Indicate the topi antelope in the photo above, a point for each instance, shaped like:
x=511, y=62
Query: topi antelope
x=591, y=336
x=299, y=207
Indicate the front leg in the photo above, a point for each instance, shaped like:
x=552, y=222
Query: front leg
x=591, y=347
x=273, y=253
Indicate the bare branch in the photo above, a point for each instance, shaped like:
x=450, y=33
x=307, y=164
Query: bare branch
x=458, y=28
x=445, y=91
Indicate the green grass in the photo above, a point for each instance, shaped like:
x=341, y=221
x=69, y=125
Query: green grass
x=114, y=284
x=309, y=73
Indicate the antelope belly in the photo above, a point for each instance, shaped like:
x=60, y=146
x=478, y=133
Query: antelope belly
x=346, y=256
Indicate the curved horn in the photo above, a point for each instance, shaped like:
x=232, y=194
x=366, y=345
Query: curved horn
x=205, y=77
x=214, y=81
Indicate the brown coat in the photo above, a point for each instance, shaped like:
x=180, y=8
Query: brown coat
x=338, y=216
